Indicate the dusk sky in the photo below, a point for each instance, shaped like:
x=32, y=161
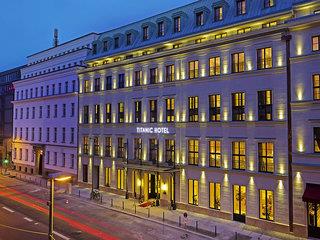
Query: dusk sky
x=27, y=25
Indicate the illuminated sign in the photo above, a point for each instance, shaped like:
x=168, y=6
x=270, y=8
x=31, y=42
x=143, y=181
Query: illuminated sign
x=163, y=130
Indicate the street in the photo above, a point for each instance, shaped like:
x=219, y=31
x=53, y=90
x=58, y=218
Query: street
x=24, y=215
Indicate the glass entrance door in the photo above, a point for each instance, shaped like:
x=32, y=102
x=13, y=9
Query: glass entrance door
x=239, y=203
x=313, y=219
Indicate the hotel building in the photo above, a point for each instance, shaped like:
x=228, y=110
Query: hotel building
x=192, y=107
x=45, y=117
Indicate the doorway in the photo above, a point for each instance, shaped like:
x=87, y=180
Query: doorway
x=153, y=193
x=95, y=177
x=40, y=166
x=239, y=203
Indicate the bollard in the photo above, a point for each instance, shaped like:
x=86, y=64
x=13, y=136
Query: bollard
x=122, y=205
x=101, y=198
x=236, y=236
x=162, y=216
x=215, y=231
x=148, y=212
x=111, y=202
x=179, y=221
x=135, y=209
x=196, y=225
x=79, y=193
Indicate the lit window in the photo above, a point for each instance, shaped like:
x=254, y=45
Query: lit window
x=266, y=163
x=153, y=75
x=160, y=29
x=108, y=147
x=85, y=143
x=237, y=62
x=214, y=153
x=177, y=24
x=269, y=3
x=170, y=109
x=266, y=205
x=86, y=86
x=316, y=43
x=138, y=149
x=108, y=113
x=264, y=58
x=97, y=113
x=193, y=69
x=193, y=109
x=244, y=30
x=170, y=73
x=193, y=152
x=108, y=176
x=316, y=87
x=137, y=111
x=121, y=148
x=120, y=112
x=193, y=187
x=169, y=150
x=199, y=19
x=214, y=66
x=241, y=7
x=270, y=24
x=153, y=111
x=238, y=106
x=214, y=107
x=239, y=202
x=145, y=33
x=316, y=135
x=120, y=177
x=239, y=155
x=86, y=114
x=153, y=150
x=214, y=195
x=218, y=13
x=265, y=105
x=96, y=146
x=138, y=77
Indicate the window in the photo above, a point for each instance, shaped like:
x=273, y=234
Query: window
x=138, y=149
x=48, y=157
x=214, y=153
x=121, y=80
x=193, y=69
x=269, y=3
x=120, y=112
x=85, y=114
x=264, y=57
x=59, y=88
x=316, y=43
x=33, y=112
x=20, y=134
x=66, y=87
x=121, y=147
x=269, y=24
x=199, y=19
x=239, y=201
x=137, y=111
x=108, y=147
x=214, y=66
x=193, y=193
x=316, y=87
x=265, y=105
x=266, y=163
x=108, y=113
x=239, y=155
x=170, y=73
x=316, y=135
x=120, y=177
x=177, y=24
x=109, y=83
x=108, y=176
x=86, y=86
x=116, y=42
x=21, y=113
x=97, y=85
x=72, y=110
x=48, y=134
x=170, y=110
x=96, y=146
x=145, y=33
x=55, y=113
x=218, y=13
x=85, y=145
x=193, y=152
x=16, y=113
x=214, y=107
x=96, y=113
x=27, y=134
x=72, y=135
x=214, y=195
x=105, y=46
x=238, y=106
x=53, y=89
x=160, y=29
x=55, y=133
x=170, y=150
x=193, y=109
x=26, y=154
x=48, y=111
x=153, y=150
x=73, y=85
x=27, y=116
x=94, y=48
x=32, y=134
x=64, y=110
x=40, y=135
x=129, y=39
x=153, y=111
x=153, y=75
x=266, y=205
x=138, y=77
x=63, y=164
x=241, y=7
x=71, y=161
x=237, y=62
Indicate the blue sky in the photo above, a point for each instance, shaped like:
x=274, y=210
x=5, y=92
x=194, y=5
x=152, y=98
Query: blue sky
x=27, y=25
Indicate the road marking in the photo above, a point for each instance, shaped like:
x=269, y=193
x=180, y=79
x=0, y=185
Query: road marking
x=8, y=209
x=28, y=219
x=36, y=190
x=60, y=235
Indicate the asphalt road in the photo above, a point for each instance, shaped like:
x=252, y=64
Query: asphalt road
x=24, y=215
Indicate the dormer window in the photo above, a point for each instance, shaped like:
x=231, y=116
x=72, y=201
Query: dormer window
x=177, y=24
x=94, y=48
x=199, y=19
x=105, y=46
x=218, y=14
x=269, y=3
x=145, y=33
x=241, y=7
x=160, y=29
x=116, y=42
x=129, y=39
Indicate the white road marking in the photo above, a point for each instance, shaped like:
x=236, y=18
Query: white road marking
x=8, y=209
x=36, y=190
x=60, y=235
x=28, y=219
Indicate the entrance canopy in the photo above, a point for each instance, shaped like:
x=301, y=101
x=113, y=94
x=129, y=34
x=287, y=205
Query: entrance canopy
x=311, y=193
x=151, y=168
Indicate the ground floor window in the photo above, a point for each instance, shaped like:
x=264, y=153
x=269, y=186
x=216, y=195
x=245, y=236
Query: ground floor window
x=120, y=182
x=108, y=176
x=193, y=191
x=214, y=195
x=314, y=214
x=239, y=203
x=266, y=205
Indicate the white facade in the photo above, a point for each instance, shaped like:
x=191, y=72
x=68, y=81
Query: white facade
x=46, y=109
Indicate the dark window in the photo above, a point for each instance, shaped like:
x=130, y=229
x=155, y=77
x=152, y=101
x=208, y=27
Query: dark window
x=269, y=3
x=316, y=87
x=193, y=109
x=109, y=83
x=239, y=155
x=214, y=66
x=97, y=113
x=108, y=147
x=138, y=149
x=266, y=163
x=153, y=111
x=121, y=148
x=97, y=85
x=316, y=135
x=120, y=112
x=265, y=105
x=160, y=29
x=121, y=80
x=238, y=107
x=264, y=57
x=153, y=75
x=214, y=153
x=94, y=48
x=145, y=33
x=199, y=18
x=193, y=152
x=177, y=24
x=170, y=150
x=108, y=113
x=170, y=73
x=241, y=7
x=116, y=42
x=238, y=62
x=96, y=146
x=105, y=46
x=137, y=111
x=170, y=109
x=193, y=69
x=214, y=107
x=129, y=39
x=218, y=13
x=85, y=114
x=316, y=43
x=153, y=150
x=138, y=78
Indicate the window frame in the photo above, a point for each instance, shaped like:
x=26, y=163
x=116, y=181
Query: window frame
x=264, y=158
x=193, y=152
x=237, y=157
x=193, y=69
x=215, y=155
x=267, y=216
x=316, y=86
x=193, y=107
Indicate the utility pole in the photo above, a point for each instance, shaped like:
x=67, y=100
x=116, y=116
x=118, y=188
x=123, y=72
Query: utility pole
x=51, y=203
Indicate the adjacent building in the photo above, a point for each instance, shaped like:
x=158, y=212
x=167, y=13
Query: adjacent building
x=46, y=109
x=213, y=108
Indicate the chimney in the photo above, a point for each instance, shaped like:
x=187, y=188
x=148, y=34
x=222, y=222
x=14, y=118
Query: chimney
x=56, y=38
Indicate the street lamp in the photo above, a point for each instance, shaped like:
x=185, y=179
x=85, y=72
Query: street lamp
x=127, y=162
x=60, y=177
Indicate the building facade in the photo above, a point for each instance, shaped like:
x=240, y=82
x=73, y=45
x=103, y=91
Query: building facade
x=192, y=108
x=46, y=109
x=6, y=110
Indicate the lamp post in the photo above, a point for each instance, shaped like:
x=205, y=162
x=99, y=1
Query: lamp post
x=126, y=159
x=60, y=178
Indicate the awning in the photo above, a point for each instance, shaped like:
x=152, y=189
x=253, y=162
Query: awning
x=151, y=168
x=311, y=193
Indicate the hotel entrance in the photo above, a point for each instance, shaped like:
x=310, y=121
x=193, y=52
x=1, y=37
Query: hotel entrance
x=153, y=186
x=311, y=197
x=239, y=203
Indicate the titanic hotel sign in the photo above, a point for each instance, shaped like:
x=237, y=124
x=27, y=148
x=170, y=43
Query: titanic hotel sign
x=157, y=130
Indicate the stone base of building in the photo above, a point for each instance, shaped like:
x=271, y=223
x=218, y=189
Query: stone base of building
x=271, y=226
x=300, y=230
x=25, y=168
